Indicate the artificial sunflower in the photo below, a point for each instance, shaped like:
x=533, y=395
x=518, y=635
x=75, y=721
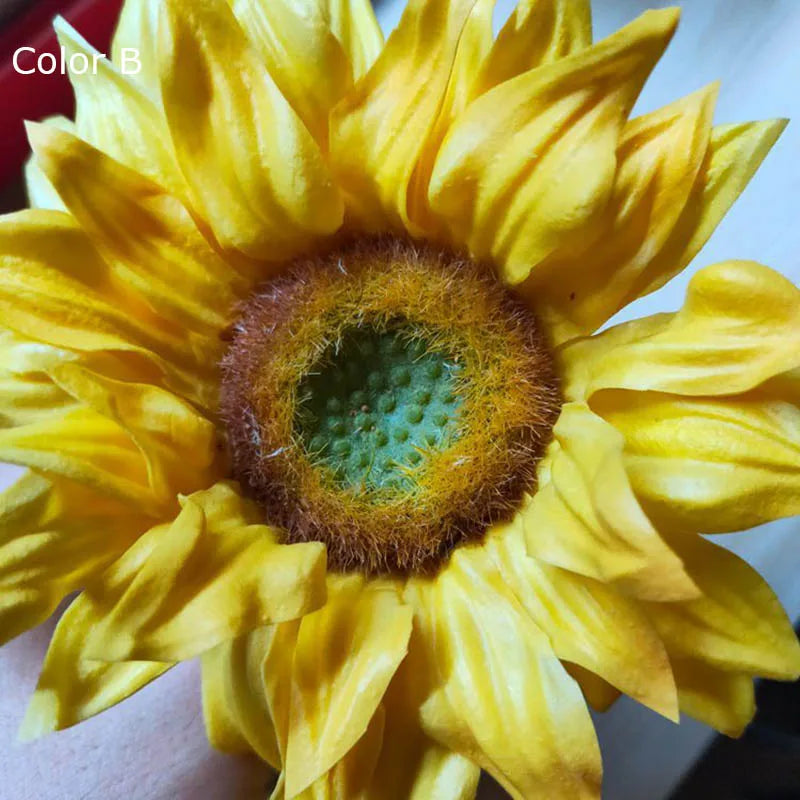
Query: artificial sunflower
x=300, y=352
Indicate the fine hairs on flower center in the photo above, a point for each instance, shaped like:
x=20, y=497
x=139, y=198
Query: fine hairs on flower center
x=389, y=400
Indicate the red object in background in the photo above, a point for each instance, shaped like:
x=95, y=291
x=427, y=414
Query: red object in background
x=36, y=96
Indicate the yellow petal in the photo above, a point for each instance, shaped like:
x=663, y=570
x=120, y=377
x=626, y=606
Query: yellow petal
x=505, y=701
x=85, y=447
x=474, y=44
x=179, y=445
x=584, y=516
x=709, y=464
x=301, y=53
x=379, y=131
x=739, y=326
x=346, y=654
x=599, y=694
x=117, y=116
x=735, y=152
x=55, y=288
x=723, y=700
x=529, y=168
x=246, y=684
x=660, y=156
x=138, y=29
x=412, y=766
x=53, y=536
x=587, y=622
x=254, y=171
x=537, y=32
x=208, y=576
x=737, y=623
x=72, y=687
x=355, y=26
x=40, y=192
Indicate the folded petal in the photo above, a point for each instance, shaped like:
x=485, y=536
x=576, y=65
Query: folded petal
x=246, y=685
x=210, y=575
x=39, y=190
x=56, y=289
x=537, y=32
x=660, y=156
x=346, y=654
x=302, y=54
x=355, y=26
x=254, y=171
x=735, y=152
x=54, y=535
x=504, y=700
x=739, y=326
x=724, y=700
x=736, y=624
x=137, y=28
x=588, y=623
x=72, y=687
x=709, y=464
x=118, y=116
x=585, y=518
x=380, y=129
x=529, y=168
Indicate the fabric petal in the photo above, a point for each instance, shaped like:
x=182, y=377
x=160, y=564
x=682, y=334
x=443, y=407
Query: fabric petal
x=117, y=116
x=54, y=535
x=660, y=156
x=736, y=624
x=380, y=129
x=724, y=700
x=529, y=168
x=588, y=623
x=346, y=654
x=254, y=171
x=584, y=516
x=71, y=686
x=210, y=575
x=537, y=32
x=301, y=53
x=735, y=152
x=505, y=701
x=55, y=288
x=709, y=464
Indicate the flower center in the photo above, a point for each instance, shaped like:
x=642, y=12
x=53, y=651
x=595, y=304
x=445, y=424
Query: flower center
x=372, y=409
x=388, y=400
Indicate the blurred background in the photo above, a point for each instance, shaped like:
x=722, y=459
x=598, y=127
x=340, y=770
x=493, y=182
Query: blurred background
x=153, y=746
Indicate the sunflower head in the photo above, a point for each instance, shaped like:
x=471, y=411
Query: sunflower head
x=300, y=351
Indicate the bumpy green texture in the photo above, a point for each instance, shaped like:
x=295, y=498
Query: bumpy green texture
x=371, y=411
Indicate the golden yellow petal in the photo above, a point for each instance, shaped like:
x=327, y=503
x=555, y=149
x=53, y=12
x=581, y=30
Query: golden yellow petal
x=724, y=700
x=88, y=448
x=737, y=623
x=39, y=190
x=537, y=32
x=254, y=171
x=529, y=168
x=354, y=24
x=73, y=687
x=380, y=129
x=138, y=29
x=739, y=326
x=588, y=623
x=599, y=694
x=709, y=464
x=55, y=288
x=210, y=575
x=117, y=116
x=346, y=654
x=735, y=152
x=585, y=518
x=54, y=535
x=504, y=700
x=660, y=156
x=246, y=685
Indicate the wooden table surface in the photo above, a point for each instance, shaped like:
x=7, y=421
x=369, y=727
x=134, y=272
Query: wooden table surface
x=152, y=747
